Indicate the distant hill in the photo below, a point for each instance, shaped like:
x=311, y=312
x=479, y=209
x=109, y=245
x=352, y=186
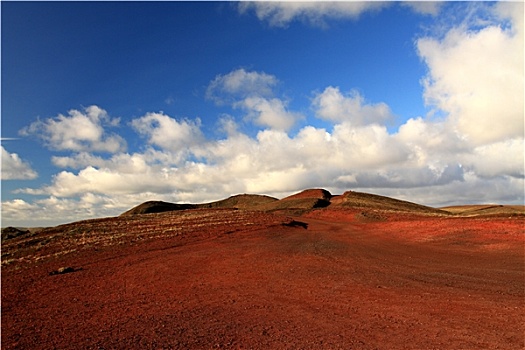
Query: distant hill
x=486, y=209
x=295, y=204
x=318, y=193
x=156, y=207
x=241, y=201
x=309, y=199
x=12, y=232
x=374, y=201
x=300, y=202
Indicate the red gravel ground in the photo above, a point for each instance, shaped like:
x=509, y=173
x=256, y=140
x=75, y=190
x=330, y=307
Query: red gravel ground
x=237, y=279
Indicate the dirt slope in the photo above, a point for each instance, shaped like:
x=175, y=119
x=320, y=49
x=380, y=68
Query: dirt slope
x=237, y=279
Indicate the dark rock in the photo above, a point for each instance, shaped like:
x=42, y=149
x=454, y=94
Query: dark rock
x=63, y=270
x=295, y=223
x=12, y=232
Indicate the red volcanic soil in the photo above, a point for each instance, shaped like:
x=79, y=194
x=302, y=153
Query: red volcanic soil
x=337, y=278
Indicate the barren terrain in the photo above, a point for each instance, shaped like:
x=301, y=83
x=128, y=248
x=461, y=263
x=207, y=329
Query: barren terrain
x=313, y=271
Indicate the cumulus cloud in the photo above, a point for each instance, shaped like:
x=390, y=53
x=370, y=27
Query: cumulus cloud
x=169, y=133
x=53, y=211
x=78, y=131
x=18, y=209
x=122, y=162
x=271, y=113
x=503, y=158
x=77, y=161
x=424, y=7
x=431, y=143
x=104, y=180
x=238, y=162
x=240, y=84
x=476, y=77
x=281, y=13
x=253, y=93
x=333, y=106
x=472, y=190
x=14, y=168
x=403, y=177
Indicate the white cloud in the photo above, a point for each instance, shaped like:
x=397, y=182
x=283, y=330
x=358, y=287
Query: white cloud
x=122, y=162
x=281, y=13
x=366, y=147
x=14, y=168
x=168, y=133
x=253, y=92
x=505, y=158
x=431, y=143
x=18, y=210
x=403, y=177
x=240, y=84
x=332, y=105
x=52, y=211
x=425, y=7
x=80, y=131
x=269, y=112
x=227, y=125
x=77, y=161
x=472, y=190
x=102, y=181
x=476, y=78
x=513, y=11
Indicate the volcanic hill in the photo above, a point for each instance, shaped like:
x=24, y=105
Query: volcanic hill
x=297, y=203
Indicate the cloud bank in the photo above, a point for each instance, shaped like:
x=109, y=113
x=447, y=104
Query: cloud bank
x=468, y=149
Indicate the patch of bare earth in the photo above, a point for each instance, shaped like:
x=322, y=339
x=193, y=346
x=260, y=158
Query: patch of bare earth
x=205, y=279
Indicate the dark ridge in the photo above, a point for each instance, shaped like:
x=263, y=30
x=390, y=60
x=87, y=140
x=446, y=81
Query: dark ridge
x=241, y=201
x=156, y=207
x=13, y=232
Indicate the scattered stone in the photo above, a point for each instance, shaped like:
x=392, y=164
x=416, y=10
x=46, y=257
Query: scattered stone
x=63, y=270
x=295, y=223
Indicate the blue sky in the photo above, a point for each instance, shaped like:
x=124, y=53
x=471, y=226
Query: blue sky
x=106, y=105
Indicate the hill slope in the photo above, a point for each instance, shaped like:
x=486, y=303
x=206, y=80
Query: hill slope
x=351, y=199
x=150, y=207
x=241, y=201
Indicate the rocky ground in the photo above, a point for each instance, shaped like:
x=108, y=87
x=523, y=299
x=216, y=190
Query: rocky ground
x=332, y=278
